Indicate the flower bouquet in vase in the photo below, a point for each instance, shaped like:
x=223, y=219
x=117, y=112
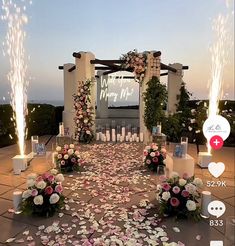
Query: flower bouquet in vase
x=154, y=157
x=67, y=158
x=179, y=196
x=44, y=194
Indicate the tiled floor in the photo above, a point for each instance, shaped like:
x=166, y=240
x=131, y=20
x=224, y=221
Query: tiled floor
x=111, y=183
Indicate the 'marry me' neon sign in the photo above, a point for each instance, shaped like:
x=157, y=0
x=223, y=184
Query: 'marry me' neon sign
x=106, y=93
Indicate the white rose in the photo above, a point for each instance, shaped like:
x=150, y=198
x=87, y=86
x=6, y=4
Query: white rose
x=159, y=187
x=54, y=171
x=152, y=154
x=77, y=153
x=198, y=182
x=71, y=146
x=182, y=182
x=54, y=198
x=59, y=177
x=147, y=147
x=30, y=182
x=26, y=194
x=58, y=148
x=70, y=151
x=38, y=200
x=166, y=195
x=191, y=205
x=32, y=176
x=174, y=175
x=41, y=185
x=85, y=121
x=59, y=156
x=66, y=157
x=190, y=188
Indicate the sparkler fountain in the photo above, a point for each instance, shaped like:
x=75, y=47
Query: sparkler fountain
x=16, y=19
x=219, y=54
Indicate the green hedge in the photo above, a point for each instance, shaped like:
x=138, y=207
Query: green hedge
x=42, y=119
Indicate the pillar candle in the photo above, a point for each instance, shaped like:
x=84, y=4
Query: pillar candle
x=141, y=136
x=97, y=136
x=134, y=136
x=108, y=137
x=101, y=136
x=104, y=138
x=118, y=137
x=137, y=139
x=114, y=138
x=17, y=199
x=113, y=132
x=129, y=134
x=131, y=140
x=206, y=199
x=127, y=138
x=121, y=138
x=123, y=131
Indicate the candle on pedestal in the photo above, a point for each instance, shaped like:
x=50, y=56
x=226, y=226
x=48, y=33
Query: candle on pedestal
x=121, y=138
x=61, y=129
x=137, y=139
x=97, y=136
x=206, y=199
x=127, y=138
x=204, y=158
x=141, y=136
x=118, y=137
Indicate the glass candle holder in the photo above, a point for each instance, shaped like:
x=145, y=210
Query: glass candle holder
x=61, y=128
x=34, y=142
x=184, y=144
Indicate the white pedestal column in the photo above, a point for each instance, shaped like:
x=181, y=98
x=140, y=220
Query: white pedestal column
x=174, y=84
x=69, y=90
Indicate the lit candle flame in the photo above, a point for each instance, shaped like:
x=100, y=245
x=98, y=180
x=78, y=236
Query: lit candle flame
x=16, y=19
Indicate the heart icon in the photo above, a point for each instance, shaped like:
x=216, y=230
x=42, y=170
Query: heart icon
x=216, y=169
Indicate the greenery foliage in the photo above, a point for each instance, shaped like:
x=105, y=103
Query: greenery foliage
x=155, y=98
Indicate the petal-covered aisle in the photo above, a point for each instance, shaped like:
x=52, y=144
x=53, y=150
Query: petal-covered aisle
x=112, y=201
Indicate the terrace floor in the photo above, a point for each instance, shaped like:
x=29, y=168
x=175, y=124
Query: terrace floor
x=103, y=199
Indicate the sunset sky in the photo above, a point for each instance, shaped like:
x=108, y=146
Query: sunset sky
x=180, y=29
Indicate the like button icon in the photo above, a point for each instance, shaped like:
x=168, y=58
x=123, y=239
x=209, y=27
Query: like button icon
x=216, y=169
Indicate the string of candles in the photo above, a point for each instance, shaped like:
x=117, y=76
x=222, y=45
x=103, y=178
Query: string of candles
x=118, y=133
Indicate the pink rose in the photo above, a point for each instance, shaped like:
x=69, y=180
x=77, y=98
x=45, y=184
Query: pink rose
x=62, y=162
x=51, y=178
x=64, y=151
x=166, y=186
x=162, y=178
x=73, y=160
x=39, y=178
x=148, y=162
x=66, y=146
x=185, y=193
x=34, y=192
x=59, y=188
x=174, y=202
x=185, y=176
x=155, y=159
x=176, y=189
x=46, y=175
x=157, y=153
x=145, y=152
x=49, y=190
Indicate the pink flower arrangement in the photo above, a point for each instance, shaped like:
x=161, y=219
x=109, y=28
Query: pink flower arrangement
x=84, y=113
x=179, y=196
x=153, y=157
x=67, y=158
x=44, y=194
x=137, y=63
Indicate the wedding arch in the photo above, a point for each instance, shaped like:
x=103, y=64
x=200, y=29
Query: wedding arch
x=144, y=66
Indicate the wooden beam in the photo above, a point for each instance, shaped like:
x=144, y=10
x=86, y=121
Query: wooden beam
x=166, y=67
x=157, y=53
x=61, y=67
x=185, y=67
x=102, y=68
x=163, y=74
x=107, y=62
x=72, y=68
x=76, y=55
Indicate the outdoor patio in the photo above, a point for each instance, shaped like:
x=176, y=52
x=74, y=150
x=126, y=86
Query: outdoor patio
x=103, y=199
